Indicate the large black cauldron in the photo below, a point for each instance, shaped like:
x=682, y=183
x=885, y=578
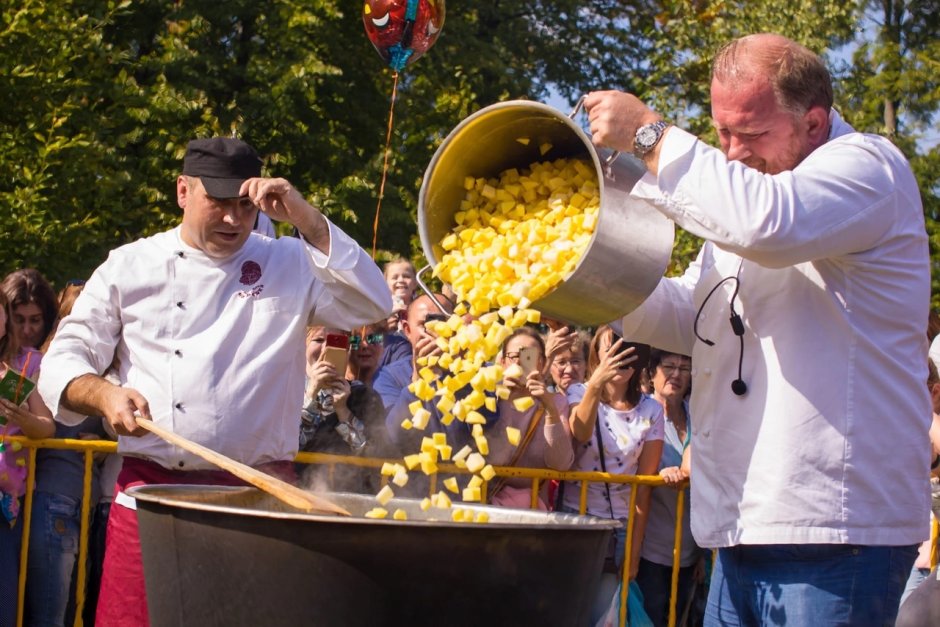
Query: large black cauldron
x=236, y=556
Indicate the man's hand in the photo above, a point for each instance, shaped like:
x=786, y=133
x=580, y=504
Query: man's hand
x=93, y=396
x=615, y=116
x=121, y=408
x=283, y=203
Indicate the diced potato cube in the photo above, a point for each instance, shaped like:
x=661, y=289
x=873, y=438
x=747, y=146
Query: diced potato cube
x=400, y=514
x=385, y=495
x=451, y=484
x=488, y=472
x=471, y=494
x=475, y=462
x=513, y=435
x=376, y=512
x=523, y=403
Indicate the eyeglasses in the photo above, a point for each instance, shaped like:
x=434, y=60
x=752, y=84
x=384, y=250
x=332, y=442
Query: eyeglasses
x=561, y=364
x=372, y=339
x=670, y=369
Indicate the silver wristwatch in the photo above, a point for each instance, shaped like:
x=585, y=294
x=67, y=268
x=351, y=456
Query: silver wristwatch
x=647, y=136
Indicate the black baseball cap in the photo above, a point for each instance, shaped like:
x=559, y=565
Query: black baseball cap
x=222, y=164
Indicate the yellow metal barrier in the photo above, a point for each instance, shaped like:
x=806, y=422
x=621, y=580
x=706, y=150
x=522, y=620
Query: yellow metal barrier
x=89, y=447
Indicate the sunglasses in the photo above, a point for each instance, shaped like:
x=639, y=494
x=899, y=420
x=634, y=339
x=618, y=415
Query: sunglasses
x=373, y=339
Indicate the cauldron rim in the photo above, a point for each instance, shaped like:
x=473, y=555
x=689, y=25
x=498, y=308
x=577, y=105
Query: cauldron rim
x=163, y=495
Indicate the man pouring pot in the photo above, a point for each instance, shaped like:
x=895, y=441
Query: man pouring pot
x=804, y=314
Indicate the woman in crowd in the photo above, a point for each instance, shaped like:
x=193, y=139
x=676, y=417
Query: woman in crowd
x=670, y=375
x=620, y=431
x=545, y=436
x=341, y=414
x=567, y=354
x=33, y=306
x=29, y=417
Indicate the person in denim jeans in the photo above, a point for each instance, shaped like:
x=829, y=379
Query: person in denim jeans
x=804, y=314
x=54, y=527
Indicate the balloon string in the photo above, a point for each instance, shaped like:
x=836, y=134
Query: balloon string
x=388, y=142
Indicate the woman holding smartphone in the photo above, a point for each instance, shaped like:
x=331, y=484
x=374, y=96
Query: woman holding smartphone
x=341, y=414
x=617, y=430
x=546, y=438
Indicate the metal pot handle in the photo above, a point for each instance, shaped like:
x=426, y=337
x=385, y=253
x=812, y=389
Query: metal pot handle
x=428, y=291
x=613, y=156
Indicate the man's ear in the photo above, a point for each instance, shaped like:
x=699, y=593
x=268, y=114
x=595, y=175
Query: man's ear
x=183, y=190
x=817, y=125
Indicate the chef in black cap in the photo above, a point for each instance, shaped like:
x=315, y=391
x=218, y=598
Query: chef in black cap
x=205, y=326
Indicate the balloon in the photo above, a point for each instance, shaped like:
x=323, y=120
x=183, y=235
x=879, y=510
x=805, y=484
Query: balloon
x=402, y=30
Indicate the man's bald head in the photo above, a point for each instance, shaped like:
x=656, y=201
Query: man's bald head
x=418, y=311
x=798, y=76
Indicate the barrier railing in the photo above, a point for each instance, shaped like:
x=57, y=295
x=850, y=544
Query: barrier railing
x=89, y=447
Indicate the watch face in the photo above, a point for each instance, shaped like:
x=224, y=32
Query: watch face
x=646, y=136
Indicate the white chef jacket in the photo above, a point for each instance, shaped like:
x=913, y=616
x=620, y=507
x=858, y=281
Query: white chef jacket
x=829, y=445
x=215, y=346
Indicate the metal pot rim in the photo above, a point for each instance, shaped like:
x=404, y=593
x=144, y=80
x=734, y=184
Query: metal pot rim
x=174, y=495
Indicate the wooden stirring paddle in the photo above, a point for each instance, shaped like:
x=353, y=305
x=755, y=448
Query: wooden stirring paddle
x=290, y=494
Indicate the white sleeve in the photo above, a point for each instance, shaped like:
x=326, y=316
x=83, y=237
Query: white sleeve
x=351, y=290
x=85, y=341
x=840, y=199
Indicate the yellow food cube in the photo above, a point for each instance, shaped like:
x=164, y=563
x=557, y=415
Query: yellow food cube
x=385, y=495
x=482, y=445
x=471, y=494
x=421, y=418
x=443, y=501
x=523, y=403
x=462, y=453
x=412, y=461
x=376, y=512
x=401, y=478
x=482, y=517
x=513, y=435
x=406, y=424
x=425, y=504
x=400, y=514
x=475, y=462
x=451, y=484
x=488, y=472
x=439, y=439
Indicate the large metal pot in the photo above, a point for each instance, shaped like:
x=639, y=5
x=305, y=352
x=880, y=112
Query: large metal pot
x=235, y=556
x=632, y=242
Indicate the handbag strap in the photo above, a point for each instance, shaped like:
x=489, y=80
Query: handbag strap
x=600, y=450
x=529, y=434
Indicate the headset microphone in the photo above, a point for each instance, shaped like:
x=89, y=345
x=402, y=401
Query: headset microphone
x=738, y=386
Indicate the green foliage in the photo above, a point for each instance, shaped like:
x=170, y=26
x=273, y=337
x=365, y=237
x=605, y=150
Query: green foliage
x=99, y=97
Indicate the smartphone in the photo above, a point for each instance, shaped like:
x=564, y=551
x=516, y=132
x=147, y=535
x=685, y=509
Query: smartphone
x=641, y=352
x=529, y=359
x=336, y=351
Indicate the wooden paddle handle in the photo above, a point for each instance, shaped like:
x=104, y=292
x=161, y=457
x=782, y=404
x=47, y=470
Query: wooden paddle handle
x=290, y=494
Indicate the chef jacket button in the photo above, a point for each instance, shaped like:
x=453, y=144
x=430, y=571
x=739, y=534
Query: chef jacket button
x=181, y=463
x=178, y=406
x=180, y=254
x=706, y=433
x=179, y=304
x=178, y=353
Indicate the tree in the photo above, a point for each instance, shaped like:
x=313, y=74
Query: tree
x=891, y=88
x=100, y=97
